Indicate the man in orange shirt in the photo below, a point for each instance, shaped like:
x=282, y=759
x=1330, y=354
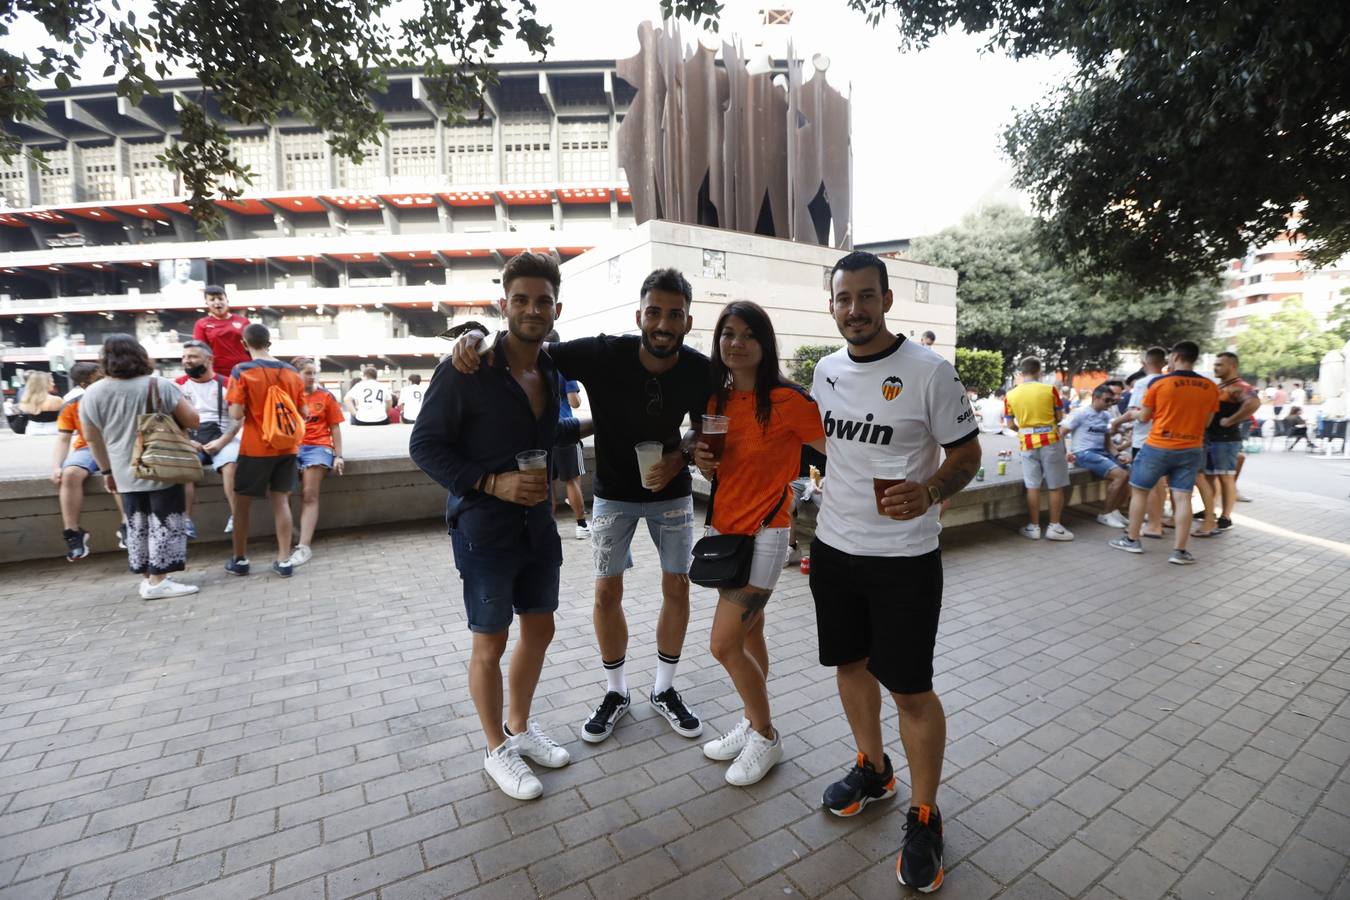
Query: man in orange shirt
x=1180, y=405
x=73, y=462
x=262, y=471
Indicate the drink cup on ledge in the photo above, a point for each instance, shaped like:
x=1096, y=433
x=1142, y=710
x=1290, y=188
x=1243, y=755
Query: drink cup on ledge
x=886, y=472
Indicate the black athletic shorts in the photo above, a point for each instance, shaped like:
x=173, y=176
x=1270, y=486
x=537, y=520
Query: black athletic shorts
x=254, y=476
x=883, y=609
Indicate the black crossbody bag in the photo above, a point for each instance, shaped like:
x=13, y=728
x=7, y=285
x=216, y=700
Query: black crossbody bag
x=723, y=560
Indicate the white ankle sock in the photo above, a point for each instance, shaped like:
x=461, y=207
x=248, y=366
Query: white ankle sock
x=665, y=672
x=614, y=675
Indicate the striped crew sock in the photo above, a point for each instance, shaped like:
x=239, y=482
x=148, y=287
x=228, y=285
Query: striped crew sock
x=614, y=675
x=665, y=672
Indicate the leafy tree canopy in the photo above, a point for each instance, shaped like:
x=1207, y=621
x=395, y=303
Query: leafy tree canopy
x=1189, y=131
x=980, y=370
x=1013, y=297
x=1288, y=344
x=803, y=367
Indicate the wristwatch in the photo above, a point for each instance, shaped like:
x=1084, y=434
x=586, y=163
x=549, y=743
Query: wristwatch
x=934, y=495
x=688, y=455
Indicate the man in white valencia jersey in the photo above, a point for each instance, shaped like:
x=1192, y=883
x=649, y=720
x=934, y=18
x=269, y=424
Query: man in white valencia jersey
x=877, y=579
x=369, y=400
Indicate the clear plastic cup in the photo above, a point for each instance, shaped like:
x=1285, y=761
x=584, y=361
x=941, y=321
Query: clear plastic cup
x=713, y=432
x=886, y=472
x=649, y=454
x=532, y=460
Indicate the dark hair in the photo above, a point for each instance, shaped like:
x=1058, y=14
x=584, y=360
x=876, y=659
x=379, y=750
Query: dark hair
x=1000, y=392
x=1156, y=355
x=1228, y=353
x=256, y=335
x=1102, y=391
x=123, y=356
x=1295, y=410
x=857, y=261
x=1112, y=382
x=1189, y=351
x=82, y=373
x=929, y=334
x=203, y=346
x=672, y=281
x=369, y=372
x=531, y=265
x=414, y=378
x=767, y=377
x=1030, y=366
x=1135, y=376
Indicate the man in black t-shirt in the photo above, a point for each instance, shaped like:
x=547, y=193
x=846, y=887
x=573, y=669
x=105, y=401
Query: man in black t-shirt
x=640, y=388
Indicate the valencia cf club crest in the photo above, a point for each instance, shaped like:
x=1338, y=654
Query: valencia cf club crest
x=891, y=387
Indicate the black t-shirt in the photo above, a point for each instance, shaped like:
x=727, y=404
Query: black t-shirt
x=630, y=405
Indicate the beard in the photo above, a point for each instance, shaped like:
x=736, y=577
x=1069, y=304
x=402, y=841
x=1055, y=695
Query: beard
x=863, y=337
x=520, y=330
x=663, y=352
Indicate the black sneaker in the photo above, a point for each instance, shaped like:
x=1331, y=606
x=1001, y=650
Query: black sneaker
x=1224, y=523
x=859, y=787
x=681, y=717
x=919, y=864
x=237, y=565
x=77, y=543
x=283, y=569
x=601, y=723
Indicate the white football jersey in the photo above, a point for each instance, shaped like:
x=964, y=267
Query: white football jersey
x=904, y=401
x=411, y=398
x=370, y=396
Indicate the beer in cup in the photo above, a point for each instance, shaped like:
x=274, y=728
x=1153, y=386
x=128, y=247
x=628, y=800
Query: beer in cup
x=887, y=471
x=713, y=432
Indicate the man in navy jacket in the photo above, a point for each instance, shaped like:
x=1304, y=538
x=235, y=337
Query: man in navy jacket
x=468, y=437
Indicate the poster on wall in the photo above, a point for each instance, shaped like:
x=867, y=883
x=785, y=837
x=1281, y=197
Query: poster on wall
x=182, y=279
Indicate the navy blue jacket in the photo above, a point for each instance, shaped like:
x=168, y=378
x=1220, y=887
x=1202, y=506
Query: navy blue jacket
x=471, y=425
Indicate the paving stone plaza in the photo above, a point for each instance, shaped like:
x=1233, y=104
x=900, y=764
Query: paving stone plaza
x=1118, y=728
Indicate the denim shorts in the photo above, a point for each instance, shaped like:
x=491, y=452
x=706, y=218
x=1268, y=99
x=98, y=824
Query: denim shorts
x=1221, y=457
x=315, y=455
x=1096, y=462
x=1045, y=462
x=82, y=458
x=500, y=582
x=1179, y=466
x=669, y=522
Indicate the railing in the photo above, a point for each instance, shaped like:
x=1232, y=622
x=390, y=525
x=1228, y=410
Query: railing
x=430, y=295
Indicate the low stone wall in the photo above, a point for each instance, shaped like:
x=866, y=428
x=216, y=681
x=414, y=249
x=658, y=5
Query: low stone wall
x=375, y=491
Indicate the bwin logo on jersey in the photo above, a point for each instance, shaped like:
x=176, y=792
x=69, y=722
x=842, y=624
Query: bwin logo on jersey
x=891, y=388
x=863, y=432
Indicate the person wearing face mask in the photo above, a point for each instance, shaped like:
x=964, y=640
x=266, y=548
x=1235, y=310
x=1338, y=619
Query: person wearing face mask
x=221, y=331
x=217, y=437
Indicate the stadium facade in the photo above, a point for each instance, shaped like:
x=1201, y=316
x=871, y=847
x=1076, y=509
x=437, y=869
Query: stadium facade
x=356, y=263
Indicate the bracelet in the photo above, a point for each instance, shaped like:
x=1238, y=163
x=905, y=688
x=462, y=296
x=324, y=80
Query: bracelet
x=105, y=472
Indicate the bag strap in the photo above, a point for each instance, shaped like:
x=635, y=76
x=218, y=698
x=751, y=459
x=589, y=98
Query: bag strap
x=220, y=400
x=151, y=404
x=712, y=494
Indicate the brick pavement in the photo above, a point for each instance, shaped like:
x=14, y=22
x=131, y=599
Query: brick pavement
x=1118, y=728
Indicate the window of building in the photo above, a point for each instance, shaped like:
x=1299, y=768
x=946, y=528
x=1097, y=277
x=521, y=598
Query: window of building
x=254, y=152
x=528, y=151
x=584, y=149
x=304, y=159
x=14, y=183
x=149, y=177
x=365, y=175
x=55, y=184
x=469, y=153
x=413, y=152
x=100, y=172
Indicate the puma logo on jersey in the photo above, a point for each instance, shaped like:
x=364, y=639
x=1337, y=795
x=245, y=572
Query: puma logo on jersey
x=831, y=381
x=864, y=432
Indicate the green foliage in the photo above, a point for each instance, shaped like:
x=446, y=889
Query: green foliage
x=1178, y=141
x=980, y=370
x=1288, y=344
x=1012, y=297
x=1338, y=321
x=318, y=60
x=802, y=368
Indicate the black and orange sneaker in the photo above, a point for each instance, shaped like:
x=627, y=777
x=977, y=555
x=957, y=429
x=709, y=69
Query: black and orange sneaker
x=859, y=787
x=919, y=864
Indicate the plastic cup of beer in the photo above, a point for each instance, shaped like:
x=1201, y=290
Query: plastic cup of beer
x=713, y=432
x=649, y=454
x=532, y=461
x=886, y=472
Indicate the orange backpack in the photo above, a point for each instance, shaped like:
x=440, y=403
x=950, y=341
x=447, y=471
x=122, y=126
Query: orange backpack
x=282, y=427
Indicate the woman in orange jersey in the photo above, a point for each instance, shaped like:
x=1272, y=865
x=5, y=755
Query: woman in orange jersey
x=770, y=418
x=320, y=450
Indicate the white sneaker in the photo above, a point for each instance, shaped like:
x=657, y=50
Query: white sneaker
x=583, y=532
x=1057, y=532
x=729, y=745
x=1031, y=531
x=1112, y=519
x=166, y=588
x=300, y=555
x=756, y=758
x=541, y=748
x=229, y=525
x=511, y=773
